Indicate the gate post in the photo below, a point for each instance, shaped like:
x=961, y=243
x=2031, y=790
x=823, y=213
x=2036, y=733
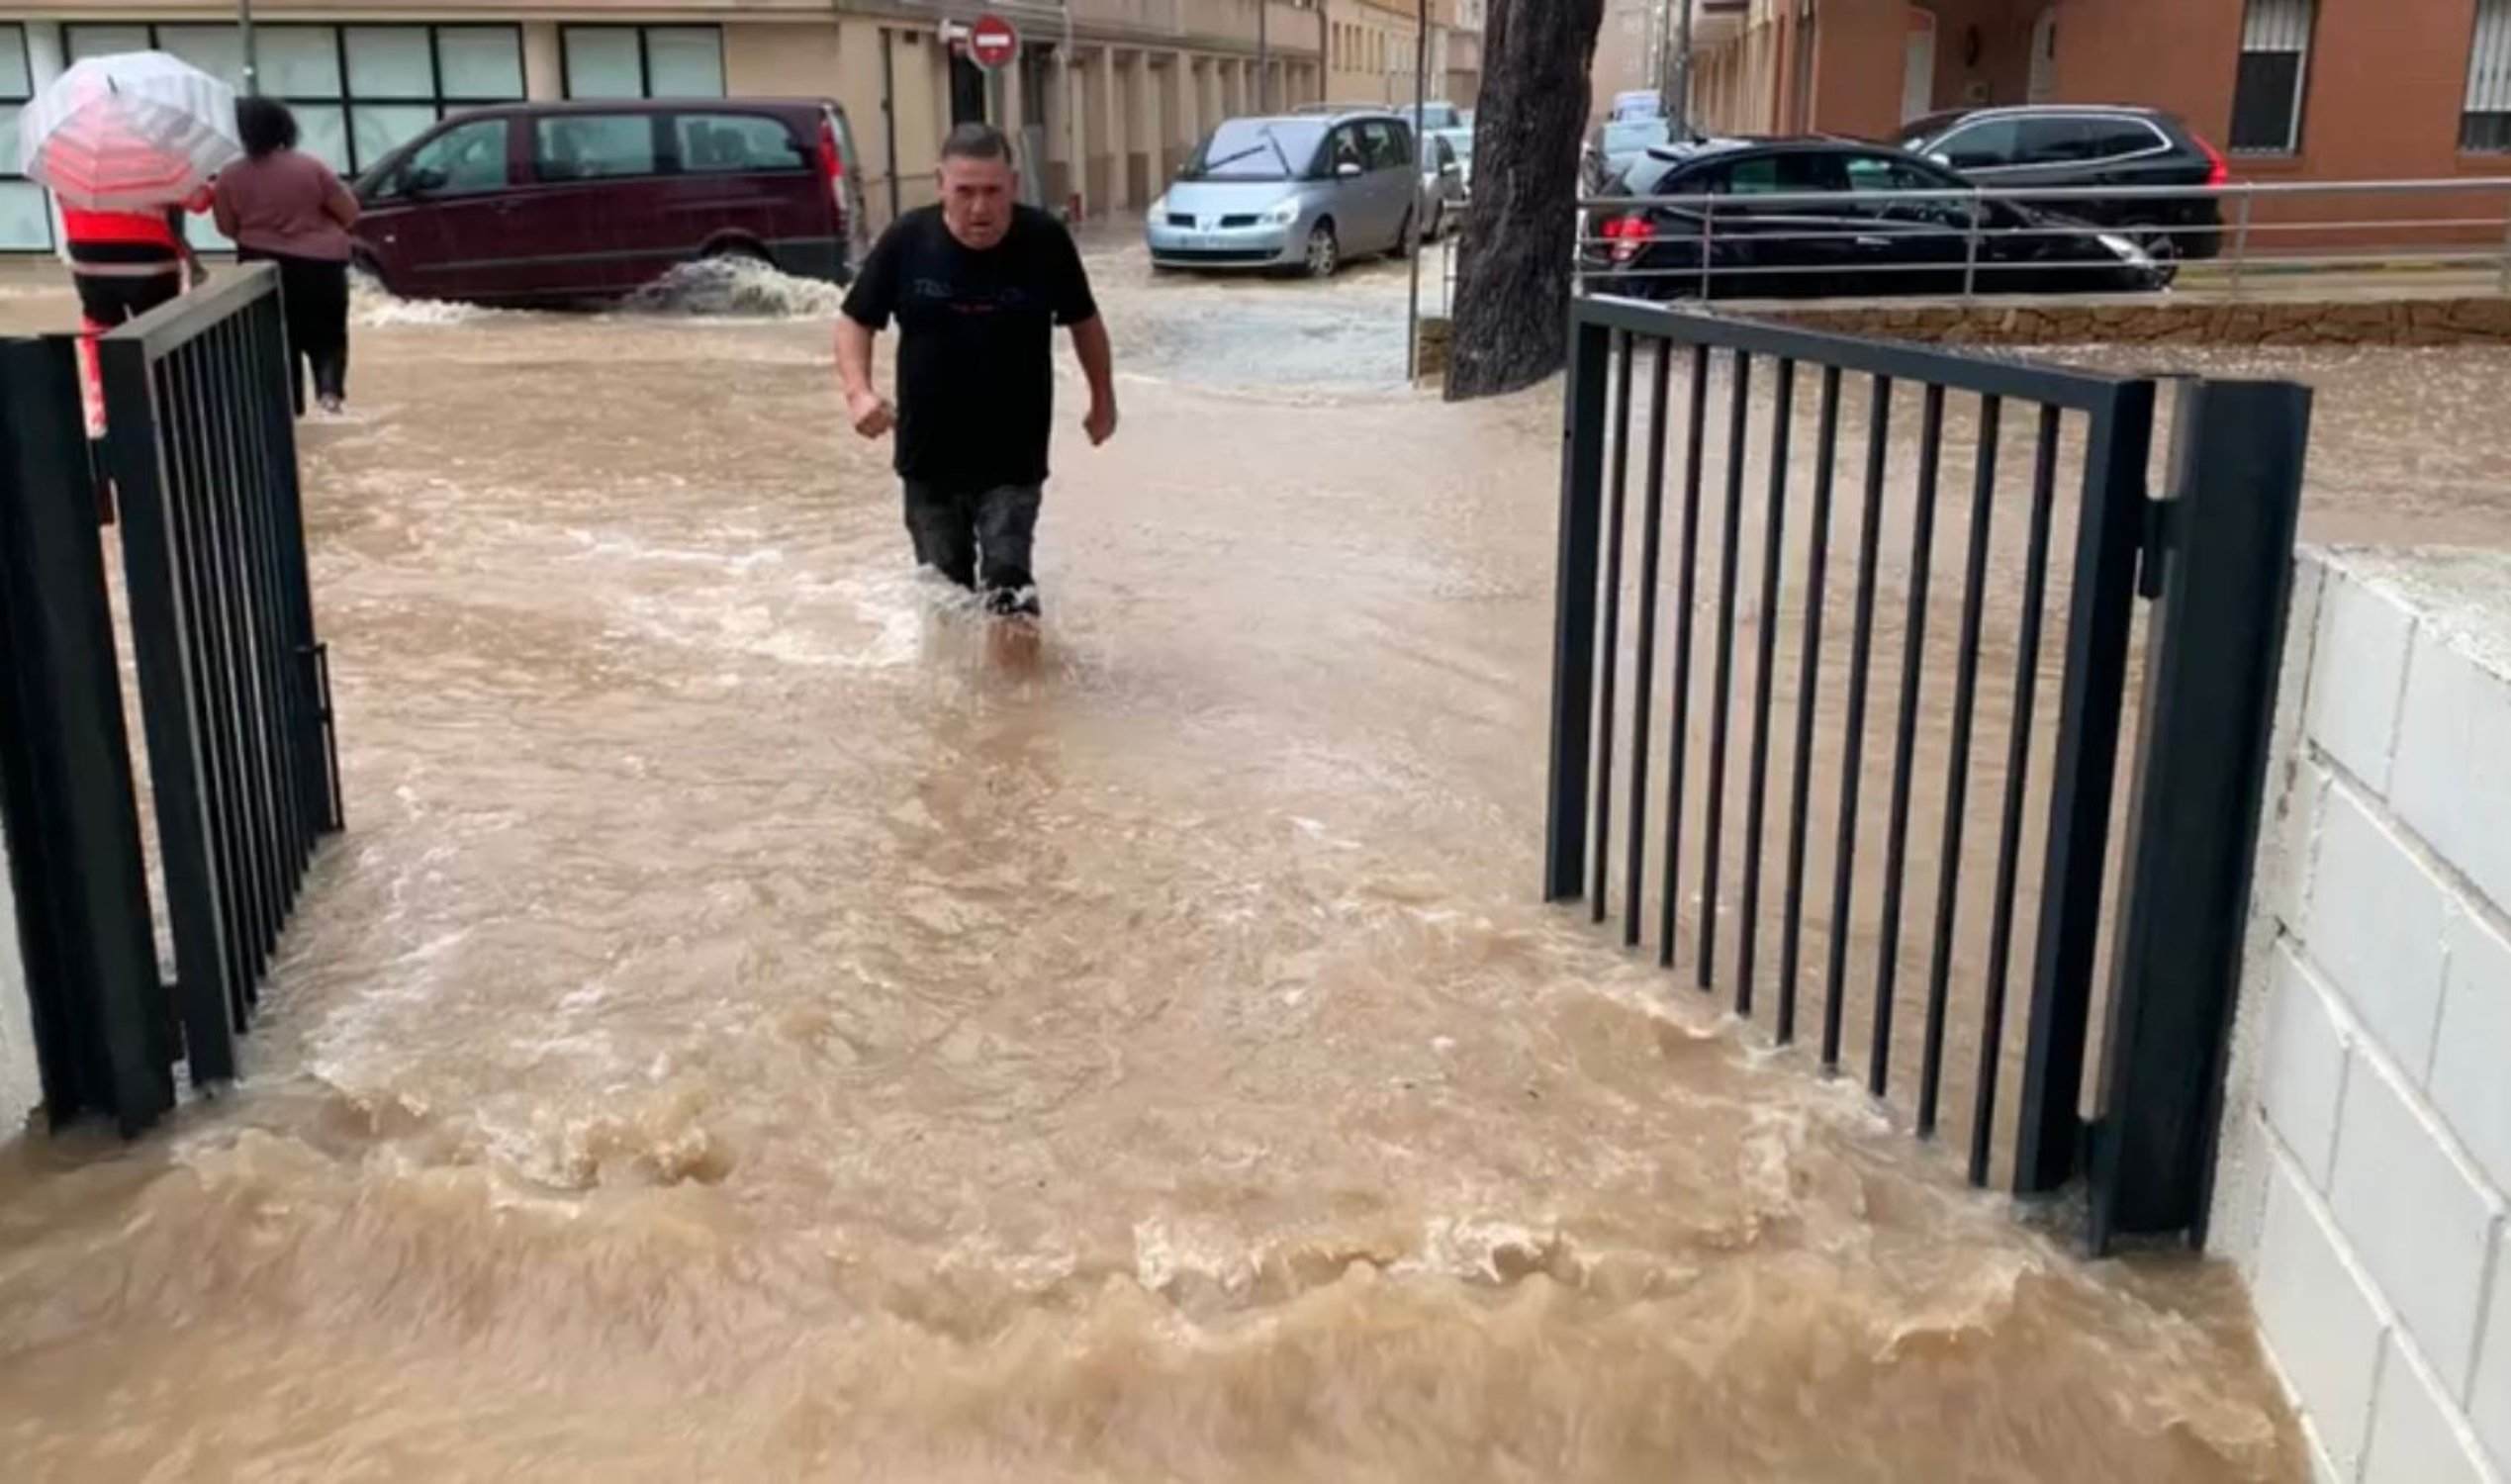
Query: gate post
x=2049, y=1140
x=103, y=1038
x=1574, y=612
x=2209, y=698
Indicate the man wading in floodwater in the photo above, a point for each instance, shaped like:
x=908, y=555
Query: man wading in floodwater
x=978, y=284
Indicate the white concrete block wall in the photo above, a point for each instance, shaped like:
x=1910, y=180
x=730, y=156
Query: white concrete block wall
x=2366, y=1181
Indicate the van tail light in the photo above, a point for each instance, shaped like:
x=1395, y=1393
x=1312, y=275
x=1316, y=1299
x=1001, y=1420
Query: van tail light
x=1626, y=236
x=2219, y=174
x=832, y=166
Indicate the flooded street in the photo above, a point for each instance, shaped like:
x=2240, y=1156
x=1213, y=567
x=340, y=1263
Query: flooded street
x=760, y=1025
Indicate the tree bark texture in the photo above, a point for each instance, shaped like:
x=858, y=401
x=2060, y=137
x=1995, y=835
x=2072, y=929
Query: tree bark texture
x=1512, y=314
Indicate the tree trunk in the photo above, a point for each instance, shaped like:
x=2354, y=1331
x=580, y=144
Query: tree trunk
x=1512, y=315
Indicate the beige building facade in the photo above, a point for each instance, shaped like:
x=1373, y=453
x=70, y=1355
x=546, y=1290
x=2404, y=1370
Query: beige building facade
x=1371, y=50
x=1106, y=99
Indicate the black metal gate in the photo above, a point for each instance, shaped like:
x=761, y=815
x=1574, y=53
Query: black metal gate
x=201, y=457
x=2215, y=553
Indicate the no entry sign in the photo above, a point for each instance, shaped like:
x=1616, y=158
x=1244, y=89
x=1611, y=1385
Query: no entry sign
x=993, y=43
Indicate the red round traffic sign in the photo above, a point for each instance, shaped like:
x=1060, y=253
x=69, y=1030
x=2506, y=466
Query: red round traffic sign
x=993, y=43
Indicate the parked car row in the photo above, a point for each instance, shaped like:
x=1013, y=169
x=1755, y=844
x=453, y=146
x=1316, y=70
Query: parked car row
x=1875, y=238
x=1309, y=190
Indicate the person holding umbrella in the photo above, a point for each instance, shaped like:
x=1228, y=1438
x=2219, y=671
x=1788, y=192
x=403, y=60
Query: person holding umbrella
x=127, y=144
x=283, y=206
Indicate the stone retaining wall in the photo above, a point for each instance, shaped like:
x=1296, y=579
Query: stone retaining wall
x=2175, y=320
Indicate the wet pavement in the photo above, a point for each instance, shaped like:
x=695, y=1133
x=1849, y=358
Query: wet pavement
x=761, y=1024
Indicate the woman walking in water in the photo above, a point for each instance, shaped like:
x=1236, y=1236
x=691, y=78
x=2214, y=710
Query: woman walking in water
x=283, y=206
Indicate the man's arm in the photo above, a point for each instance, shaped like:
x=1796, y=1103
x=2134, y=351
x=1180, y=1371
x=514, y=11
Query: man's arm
x=867, y=408
x=1098, y=364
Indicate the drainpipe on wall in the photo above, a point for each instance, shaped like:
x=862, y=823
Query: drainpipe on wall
x=1682, y=109
x=1806, y=33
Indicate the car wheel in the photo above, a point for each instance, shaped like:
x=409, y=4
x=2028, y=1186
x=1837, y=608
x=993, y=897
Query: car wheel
x=1325, y=250
x=739, y=252
x=1405, y=241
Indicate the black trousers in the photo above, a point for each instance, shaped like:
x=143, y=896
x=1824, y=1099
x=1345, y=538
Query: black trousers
x=115, y=300
x=317, y=296
x=978, y=538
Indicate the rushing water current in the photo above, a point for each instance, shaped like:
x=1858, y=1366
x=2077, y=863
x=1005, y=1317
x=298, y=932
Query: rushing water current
x=760, y=1025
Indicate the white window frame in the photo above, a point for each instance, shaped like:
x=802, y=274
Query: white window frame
x=2488, y=79
x=2260, y=36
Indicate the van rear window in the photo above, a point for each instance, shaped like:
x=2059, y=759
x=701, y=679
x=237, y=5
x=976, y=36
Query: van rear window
x=593, y=146
x=730, y=144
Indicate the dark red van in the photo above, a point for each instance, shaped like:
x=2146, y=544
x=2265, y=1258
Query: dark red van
x=531, y=202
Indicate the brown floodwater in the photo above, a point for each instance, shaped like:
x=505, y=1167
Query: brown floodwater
x=759, y=1025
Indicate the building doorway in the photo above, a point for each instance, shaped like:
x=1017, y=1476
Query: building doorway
x=967, y=90
x=1918, y=78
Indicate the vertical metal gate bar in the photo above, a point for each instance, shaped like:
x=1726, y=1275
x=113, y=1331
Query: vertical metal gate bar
x=277, y=835
x=1809, y=677
x=2217, y=638
x=2001, y=935
x=1643, y=702
x=1679, y=731
x=1721, y=684
x=1574, y=612
x=1913, y=638
x=1766, y=637
x=180, y=428
x=264, y=901
x=1617, y=497
x=1956, y=770
x=2111, y=526
x=216, y=694
x=152, y=562
x=315, y=731
x=292, y=830
x=1861, y=646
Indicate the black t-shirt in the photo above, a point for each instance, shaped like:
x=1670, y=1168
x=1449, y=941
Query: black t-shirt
x=976, y=344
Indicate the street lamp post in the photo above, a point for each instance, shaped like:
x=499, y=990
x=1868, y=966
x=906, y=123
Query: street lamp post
x=1682, y=100
x=1412, y=219
x=244, y=26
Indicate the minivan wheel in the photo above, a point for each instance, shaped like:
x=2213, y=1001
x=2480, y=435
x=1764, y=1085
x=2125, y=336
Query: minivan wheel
x=1325, y=250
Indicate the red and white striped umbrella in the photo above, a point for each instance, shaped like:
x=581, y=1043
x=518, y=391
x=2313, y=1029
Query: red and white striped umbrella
x=127, y=132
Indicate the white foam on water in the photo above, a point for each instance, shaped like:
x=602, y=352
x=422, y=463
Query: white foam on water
x=736, y=288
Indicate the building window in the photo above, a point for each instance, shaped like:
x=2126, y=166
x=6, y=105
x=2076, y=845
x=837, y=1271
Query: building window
x=359, y=92
x=2486, y=123
x=2267, y=91
x=644, y=61
x=26, y=221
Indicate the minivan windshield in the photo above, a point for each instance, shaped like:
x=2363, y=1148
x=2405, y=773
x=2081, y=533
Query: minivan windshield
x=1633, y=137
x=1257, y=149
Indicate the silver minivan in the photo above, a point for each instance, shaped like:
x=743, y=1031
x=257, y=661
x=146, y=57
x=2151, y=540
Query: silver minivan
x=1303, y=191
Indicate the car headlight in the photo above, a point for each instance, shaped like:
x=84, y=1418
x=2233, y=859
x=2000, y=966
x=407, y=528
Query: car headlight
x=1283, y=213
x=2125, y=250
x=1159, y=204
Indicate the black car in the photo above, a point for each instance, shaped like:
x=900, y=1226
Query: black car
x=1788, y=249
x=2023, y=149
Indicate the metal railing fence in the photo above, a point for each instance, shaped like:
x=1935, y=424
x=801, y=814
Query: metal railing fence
x=1968, y=243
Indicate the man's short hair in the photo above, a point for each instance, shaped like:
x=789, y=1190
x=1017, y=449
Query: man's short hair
x=978, y=142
